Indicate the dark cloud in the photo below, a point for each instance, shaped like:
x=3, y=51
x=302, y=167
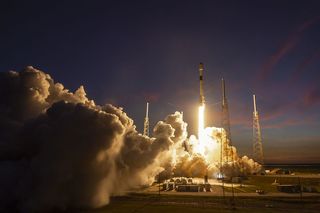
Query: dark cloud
x=312, y=97
x=301, y=69
x=285, y=48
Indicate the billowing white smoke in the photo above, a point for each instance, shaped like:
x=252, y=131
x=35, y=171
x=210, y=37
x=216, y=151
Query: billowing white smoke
x=194, y=162
x=185, y=158
x=59, y=149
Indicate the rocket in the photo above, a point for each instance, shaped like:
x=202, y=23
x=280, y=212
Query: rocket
x=201, y=84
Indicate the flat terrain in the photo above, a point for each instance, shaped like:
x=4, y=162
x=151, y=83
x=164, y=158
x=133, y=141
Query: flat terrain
x=249, y=186
x=221, y=199
x=188, y=204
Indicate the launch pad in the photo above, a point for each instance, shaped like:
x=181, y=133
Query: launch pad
x=274, y=185
x=247, y=198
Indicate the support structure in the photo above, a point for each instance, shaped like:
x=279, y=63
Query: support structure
x=225, y=125
x=257, y=139
x=146, y=122
x=227, y=150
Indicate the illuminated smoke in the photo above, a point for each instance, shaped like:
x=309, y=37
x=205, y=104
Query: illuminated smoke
x=202, y=156
x=60, y=150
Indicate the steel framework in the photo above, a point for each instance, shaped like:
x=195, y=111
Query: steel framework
x=226, y=126
x=146, y=122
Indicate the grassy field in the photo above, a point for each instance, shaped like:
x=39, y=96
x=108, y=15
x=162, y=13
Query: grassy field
x=265, y=182
x=144, y=203
x=150, y=201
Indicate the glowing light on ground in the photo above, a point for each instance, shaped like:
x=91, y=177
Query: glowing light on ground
x=207, y=146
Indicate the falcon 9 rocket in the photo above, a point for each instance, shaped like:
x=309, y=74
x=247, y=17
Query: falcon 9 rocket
x=201, y=68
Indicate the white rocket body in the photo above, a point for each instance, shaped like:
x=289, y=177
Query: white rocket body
x=201, y=68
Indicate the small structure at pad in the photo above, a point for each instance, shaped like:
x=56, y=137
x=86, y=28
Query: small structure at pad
x=183, y=184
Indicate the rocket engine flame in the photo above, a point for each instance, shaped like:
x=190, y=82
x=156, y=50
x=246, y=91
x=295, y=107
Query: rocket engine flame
x=201, y=133
x=207, y=143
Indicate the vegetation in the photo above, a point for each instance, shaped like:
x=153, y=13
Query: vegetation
x=145, y=203
x=150, y=201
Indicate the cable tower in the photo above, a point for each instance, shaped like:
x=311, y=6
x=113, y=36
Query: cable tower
x=146, y=122
x=257, y=140
x=225, y=124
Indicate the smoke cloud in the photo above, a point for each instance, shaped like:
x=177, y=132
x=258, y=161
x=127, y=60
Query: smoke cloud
x=60, y=150
x=192, y=163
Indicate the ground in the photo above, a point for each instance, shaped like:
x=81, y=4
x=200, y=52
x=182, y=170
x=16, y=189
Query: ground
x=244, y=199
x=144, y=203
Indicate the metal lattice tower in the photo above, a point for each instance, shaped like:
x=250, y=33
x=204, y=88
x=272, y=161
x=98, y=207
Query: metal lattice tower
x=227, y=150
x=225, y=125
x=257, y=140
x=146, y=122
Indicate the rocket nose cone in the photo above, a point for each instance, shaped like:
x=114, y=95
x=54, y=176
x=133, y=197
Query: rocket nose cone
x=201, y=66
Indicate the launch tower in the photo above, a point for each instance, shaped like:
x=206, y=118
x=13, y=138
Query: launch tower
x=257, y=140
x=146, y=122
x=225, y=124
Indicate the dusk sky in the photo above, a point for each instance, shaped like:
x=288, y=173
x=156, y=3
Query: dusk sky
x=130, y=52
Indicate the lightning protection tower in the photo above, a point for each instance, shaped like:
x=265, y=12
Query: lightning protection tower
x=226, y=125
x=146, y=122
x=257, y=140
